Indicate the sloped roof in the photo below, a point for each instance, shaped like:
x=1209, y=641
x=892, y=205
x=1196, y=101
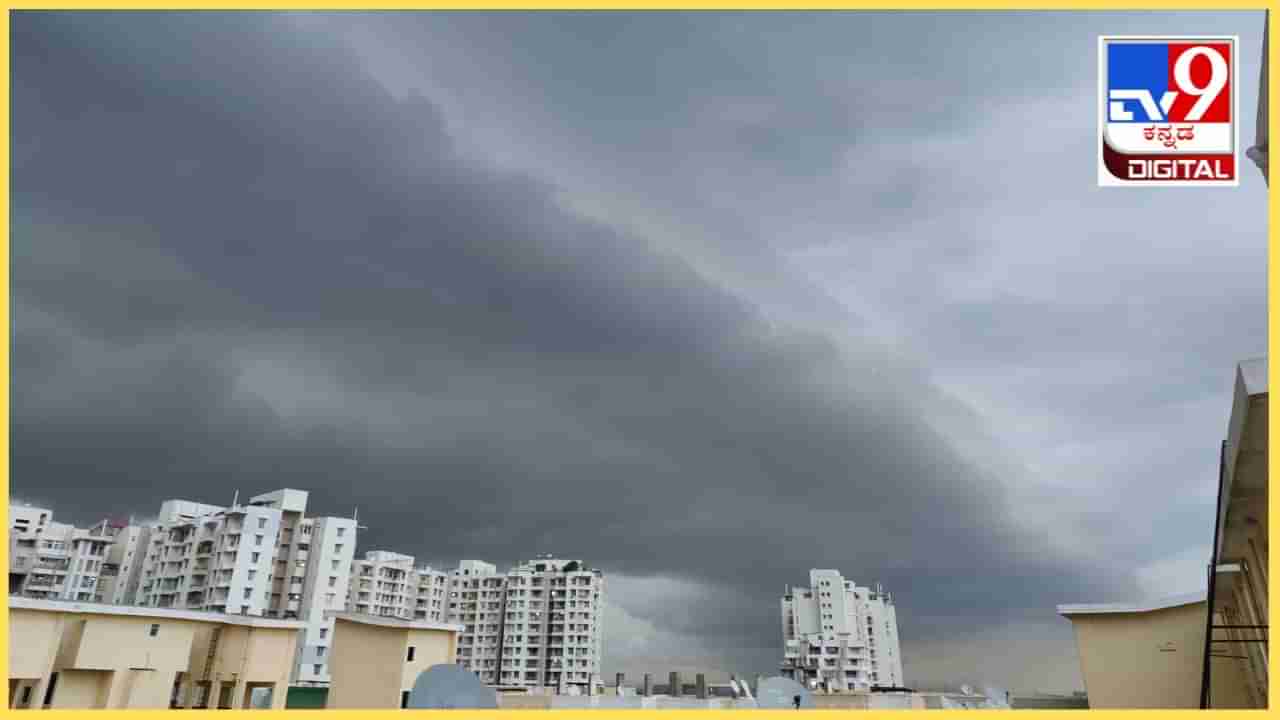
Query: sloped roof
x=1150, y=605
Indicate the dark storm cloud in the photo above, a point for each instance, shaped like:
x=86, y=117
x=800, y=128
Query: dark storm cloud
x=240, y=263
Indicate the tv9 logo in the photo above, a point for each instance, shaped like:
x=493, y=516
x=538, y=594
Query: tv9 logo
x=1168, y=111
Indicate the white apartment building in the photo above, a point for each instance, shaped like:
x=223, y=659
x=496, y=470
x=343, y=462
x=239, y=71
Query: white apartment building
x=329, y=544
x=476, y=597
x=27, y=519
x=261, y=558
x=381, y=584
x=388, y=584
x=53, y=560
x=26, y=522
x=535, y=626
x=432, y=600
x=217, y=562
x=122, y=570
x=551, y=626
x=839, y=636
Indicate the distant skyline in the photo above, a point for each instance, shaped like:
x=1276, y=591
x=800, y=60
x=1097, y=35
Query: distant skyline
x=704, y=299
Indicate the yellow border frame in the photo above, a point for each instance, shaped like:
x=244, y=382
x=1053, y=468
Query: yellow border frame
x=726, y=5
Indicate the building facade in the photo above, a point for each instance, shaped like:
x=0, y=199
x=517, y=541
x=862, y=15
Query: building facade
x=262, y=558
x=379, y=658
x=537, y=625
x=551, y=623
x=389, y=584
x=122, y=570
x=1235, y=647
x=477, y=595
x=1206, y=649
x=85, y=655
x=1147, y=654
x=840, y=637
x=53, y=560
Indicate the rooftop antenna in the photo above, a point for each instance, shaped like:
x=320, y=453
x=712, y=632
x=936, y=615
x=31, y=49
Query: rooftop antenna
x=236, y=499
x=355, y=517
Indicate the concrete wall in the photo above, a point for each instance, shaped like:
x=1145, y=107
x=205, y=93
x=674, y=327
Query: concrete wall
x=33, y=642
x=843, y=701
x=82, y=689
x=108, y=642
x=367, y=666
x=431, y=647
x=108, y=660
x=257, y=655
x=522, y=701
x=1142, y=660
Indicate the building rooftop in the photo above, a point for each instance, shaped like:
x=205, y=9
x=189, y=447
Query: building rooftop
x=392, y=622
x=1254, y=374
x=24, y=603
x=1163, y=603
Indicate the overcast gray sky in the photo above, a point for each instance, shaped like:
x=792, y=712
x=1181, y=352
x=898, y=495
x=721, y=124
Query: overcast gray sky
x=704, y=299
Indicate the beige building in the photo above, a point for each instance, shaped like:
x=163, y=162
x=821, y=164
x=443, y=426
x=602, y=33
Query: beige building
x=1146, y=655
x=1238, y=592
x=1206, y=650
x=84, y=655
x=376, y=660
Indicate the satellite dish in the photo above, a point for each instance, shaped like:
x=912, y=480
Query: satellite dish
x=450, y=687
x=779, y=693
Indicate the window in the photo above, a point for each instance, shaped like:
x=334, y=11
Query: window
x=248, y=593
x=410, y=657
x=254, y=557
x=336, y=564
x=253, y=574
x=324, y=632
x=404, y=699
x=154, y=631
x=319, y=651
x=244, y=609
x=341, y=530
x=318, y=669
x=257, y=539
x=333, y=581
x=337, y=548
x=262, y=523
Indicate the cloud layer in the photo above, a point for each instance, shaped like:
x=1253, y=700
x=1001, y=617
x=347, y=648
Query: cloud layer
x=706, y=319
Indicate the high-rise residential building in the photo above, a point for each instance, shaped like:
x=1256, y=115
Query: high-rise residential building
x=382, y=585
x=432, y=599
x=551, y=626
x=389, y=584
x=263, y=558
x=122, y=569
x=536, y=625
x=476, y=597
x=217, y=562
x=53, y=560
x=839, y=636
x=26, y=522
